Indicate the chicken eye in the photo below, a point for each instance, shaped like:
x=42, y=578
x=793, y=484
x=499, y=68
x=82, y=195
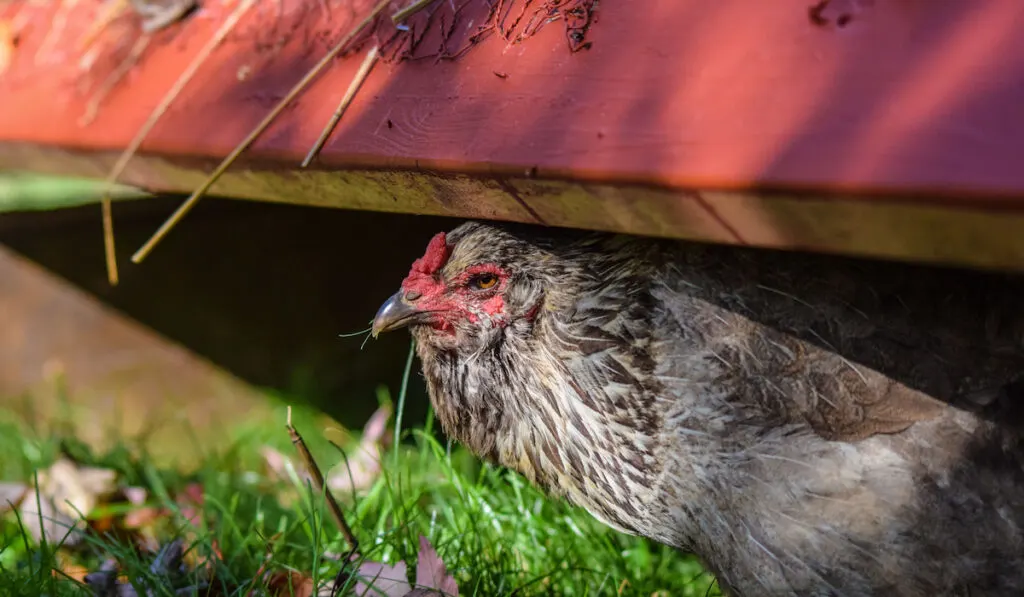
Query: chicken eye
x=483, y=281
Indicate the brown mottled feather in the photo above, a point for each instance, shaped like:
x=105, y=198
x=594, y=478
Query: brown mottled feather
x=808, y=425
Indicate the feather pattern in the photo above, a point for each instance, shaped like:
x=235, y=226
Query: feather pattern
x=807, y=425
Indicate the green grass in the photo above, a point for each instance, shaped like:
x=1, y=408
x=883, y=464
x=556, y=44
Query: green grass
x=25, y=191
x=497, y=535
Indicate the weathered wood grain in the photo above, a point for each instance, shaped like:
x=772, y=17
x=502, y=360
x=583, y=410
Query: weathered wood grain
x=896, y=134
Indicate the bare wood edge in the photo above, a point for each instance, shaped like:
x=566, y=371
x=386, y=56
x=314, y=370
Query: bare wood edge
x=913, y=229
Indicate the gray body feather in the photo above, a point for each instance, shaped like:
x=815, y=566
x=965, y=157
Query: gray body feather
x=806, y=425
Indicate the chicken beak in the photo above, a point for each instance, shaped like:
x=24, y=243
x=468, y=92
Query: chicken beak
x=395, y=313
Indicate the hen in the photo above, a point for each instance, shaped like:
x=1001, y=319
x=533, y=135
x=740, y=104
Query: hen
x=807, y=425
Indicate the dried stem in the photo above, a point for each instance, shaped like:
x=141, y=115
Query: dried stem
x=321, y=486
x=256, y=132
x=402, y=15
x=155, y=115
x=92, y=108
x=350, y=94
x=109, y=248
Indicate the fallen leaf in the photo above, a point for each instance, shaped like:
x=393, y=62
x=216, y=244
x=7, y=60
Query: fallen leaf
x=76, y=490
x=42, y=520
x=209, y=563
x=431, y=572
x=75, y=571
x=376, y=425
x=142, y=517
x=11, y=495
x=191, y=494
x=63, y=494
x=103, y=524
x=279, y=466
x=135, y=495
x=289, y=583
x=167, y=576
x=190, y=501
x=65, y=564
x=384, y=580
x=432, y=578
x=363, y=467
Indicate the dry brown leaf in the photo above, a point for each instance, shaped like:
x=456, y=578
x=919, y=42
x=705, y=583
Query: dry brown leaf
x=382, y=579
x=142, y=517
x=145, y=524
x=364, y=465
x=190, y=501
x=289, y=583
x=65, y=492
x=431, y=572
x=75, y=571
x=432, y=578
x=41, y=519
x=76, y=489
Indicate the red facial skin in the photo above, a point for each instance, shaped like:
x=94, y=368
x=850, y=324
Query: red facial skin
x=456, y=300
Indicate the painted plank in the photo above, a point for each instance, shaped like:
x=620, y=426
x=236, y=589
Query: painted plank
x=897, y=110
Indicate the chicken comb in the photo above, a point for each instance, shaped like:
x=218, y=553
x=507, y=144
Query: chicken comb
x=435, y=257
x=433, y=260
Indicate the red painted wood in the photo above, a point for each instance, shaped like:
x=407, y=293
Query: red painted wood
x=909, y=96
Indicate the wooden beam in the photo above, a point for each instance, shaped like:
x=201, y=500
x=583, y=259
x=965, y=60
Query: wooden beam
x=880, y=128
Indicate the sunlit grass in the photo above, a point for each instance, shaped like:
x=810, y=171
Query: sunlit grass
x=496, y=534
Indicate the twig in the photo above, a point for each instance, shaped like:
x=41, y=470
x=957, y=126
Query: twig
x=318, y=480
x=350, y=94
x=92, y=108
x=189, y=203
x=109, y=248
x=403, y=15
x=155, y=115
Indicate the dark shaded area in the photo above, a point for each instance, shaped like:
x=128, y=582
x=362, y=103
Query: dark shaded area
x=260, y=289
x=955, y=334
x=989, y=473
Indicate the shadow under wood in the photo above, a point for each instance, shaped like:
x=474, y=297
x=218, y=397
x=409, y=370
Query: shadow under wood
x=262, y=290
